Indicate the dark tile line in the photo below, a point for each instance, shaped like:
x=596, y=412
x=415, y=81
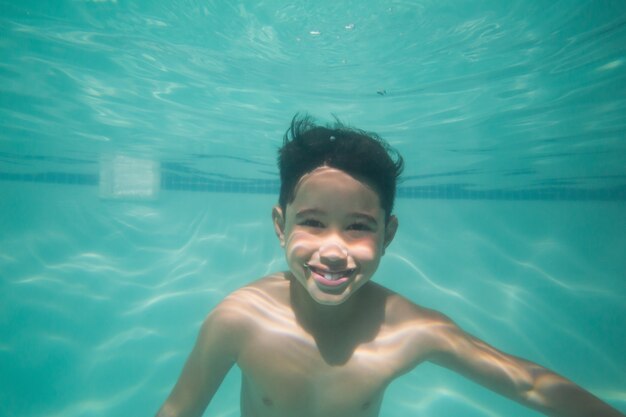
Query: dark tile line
x=435, y=192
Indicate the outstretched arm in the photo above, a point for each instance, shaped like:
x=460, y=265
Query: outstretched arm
x=516, y=378
x=212, y=356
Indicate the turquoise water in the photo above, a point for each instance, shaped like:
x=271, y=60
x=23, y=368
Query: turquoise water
x=137, y=149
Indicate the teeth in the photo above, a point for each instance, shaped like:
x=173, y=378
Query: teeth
x=331, y=276
x=338, y=275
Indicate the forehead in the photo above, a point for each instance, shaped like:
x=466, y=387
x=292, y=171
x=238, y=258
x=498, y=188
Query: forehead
x=332, y=189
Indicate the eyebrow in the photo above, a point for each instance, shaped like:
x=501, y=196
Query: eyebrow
x=317, y=212
x=310, y=212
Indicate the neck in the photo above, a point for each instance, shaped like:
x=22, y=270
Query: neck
x=339, y=329
x=315, y=316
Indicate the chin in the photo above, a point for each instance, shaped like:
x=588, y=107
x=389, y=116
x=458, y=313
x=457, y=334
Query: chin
x=329, y=298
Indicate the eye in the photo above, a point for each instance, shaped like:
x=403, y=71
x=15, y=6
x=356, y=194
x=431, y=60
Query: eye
x=361, y=227
x=311, y=223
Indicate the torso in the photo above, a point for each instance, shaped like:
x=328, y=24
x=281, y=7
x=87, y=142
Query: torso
x=289, y=371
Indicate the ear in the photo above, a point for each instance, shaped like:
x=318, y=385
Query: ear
x=278, y=218
x=390, y=231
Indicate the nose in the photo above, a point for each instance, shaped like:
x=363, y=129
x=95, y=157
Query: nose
x=333, y=254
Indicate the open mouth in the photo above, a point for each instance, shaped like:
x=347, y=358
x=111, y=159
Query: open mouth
x=330, y=276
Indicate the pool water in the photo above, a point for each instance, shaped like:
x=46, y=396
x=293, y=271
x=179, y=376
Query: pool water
x=137, y=176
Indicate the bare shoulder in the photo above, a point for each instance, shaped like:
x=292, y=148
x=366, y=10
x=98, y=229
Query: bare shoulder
x=401, y=310
x=428, y=331
x=259, y=294
x=225, y=332
x=435, y=337
x=239, y=312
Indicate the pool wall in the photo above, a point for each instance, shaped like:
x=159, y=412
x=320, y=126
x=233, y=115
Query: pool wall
x=101, y=300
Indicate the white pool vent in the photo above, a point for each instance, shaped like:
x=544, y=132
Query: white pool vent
x=126, y=178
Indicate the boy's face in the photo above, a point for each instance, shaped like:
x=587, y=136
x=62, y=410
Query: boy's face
x=334, y=234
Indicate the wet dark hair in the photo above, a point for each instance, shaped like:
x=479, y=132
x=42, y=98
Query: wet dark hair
x=363, y=155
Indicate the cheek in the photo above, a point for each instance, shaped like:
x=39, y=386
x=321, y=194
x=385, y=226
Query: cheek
x=366, y=250
x=299, y=243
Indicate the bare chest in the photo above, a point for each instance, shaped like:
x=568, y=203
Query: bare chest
x=293, y=374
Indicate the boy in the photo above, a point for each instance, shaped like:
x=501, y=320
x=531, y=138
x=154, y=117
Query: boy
x=321, y=339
